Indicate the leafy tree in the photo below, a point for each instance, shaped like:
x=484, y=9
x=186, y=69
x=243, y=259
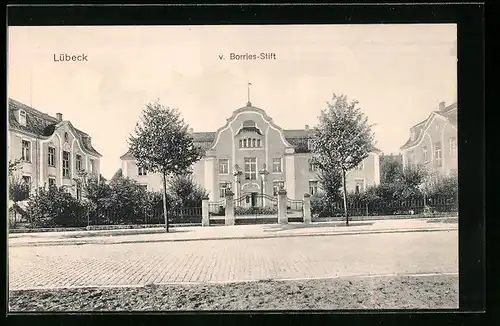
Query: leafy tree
x=410, y=181
x=14, y=166
x=185, y=192
x=18, y=191
x=331, y=183
x=125, y=201
x=342, y=139
x=97, y=192
x=55, y=207
x=161, y=144
x=390, y=171
x=118, y=174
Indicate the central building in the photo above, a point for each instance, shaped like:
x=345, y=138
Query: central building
x=250, y=154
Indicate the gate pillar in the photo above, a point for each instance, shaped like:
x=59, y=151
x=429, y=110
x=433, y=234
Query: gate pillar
x=205, y=215
x=282, y=216
x=229, y=208
x=307, y=208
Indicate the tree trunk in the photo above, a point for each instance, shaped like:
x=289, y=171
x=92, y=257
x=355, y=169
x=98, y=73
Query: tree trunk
x=165, y=201
x=344, y=192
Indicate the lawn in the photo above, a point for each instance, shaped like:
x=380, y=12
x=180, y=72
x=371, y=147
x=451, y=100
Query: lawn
x=403, y=292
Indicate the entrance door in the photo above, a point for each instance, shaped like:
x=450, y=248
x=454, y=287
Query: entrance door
x=254, y=199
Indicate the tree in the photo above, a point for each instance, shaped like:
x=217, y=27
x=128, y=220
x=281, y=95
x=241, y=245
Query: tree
x=161, y=144
x=410, y=182
x=185, y=191
x=18, y=188
x=331, y=183
x=125, y=201
x=118, y=173
x=96, y=192
x=342, y=139
x=14, y=166
x=55, y=207
x=390, y=171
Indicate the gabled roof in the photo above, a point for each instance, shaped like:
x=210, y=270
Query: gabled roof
x=42, y=124
x=449, y=112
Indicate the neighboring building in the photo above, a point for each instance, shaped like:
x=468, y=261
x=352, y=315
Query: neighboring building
x=247, y=142
x=433, y=142
x=51, y=150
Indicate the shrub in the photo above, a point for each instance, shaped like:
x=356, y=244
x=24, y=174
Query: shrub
x=185, y=192
x=55, y=208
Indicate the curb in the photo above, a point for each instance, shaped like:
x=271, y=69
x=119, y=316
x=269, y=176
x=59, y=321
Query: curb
x=75, y=243
x=145, y=285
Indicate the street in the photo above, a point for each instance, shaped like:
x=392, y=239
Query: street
x=232, y=260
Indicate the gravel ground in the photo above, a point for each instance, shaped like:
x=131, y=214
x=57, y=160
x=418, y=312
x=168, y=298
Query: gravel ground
x=423, y=292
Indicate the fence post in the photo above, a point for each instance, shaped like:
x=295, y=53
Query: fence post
x=282, y=209
x=229, y=208
x=307, y=208
x=205, y=216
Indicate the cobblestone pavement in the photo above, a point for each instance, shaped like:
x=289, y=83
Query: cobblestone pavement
x=232, y=260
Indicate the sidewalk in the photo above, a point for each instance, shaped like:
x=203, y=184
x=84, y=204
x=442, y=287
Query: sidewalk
x=231, y=232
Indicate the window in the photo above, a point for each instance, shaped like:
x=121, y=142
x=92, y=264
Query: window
x=66, y=137
x=412, y=135
x=223, y=166
x=223, y=188
x=66, y=169
x=437, y=153
x=142, y=171
x=245, y=142
x=26, y=151
x=27, y=179
x=410, y=158
x=145, y=187
x=250, y=168
x=277, y=164
x=241, y=143
x=92, y=167
x=360, y=166
x=258, y=143
x=253, y=142
x=22, y=117
x=313, y=187
x=359, y=185
x=52, y=156
x=78, y=162
x=425, y=154
x=453, y=145
x=312, y=166
x=52, y=182
x=277, y=185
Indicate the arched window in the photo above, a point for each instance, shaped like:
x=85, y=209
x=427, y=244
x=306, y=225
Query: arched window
x=249, y=142
x=66, y=137
x=253, y=142
x=258, y=142
x=249, y=123
x=241, y=143
x=244, y=142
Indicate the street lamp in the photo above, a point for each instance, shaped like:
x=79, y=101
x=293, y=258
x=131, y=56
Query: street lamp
x=263, y=173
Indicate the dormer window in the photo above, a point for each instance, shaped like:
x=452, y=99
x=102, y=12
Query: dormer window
x=250, y=143
x=249, y=124
x=22, y=117
x=412, y=135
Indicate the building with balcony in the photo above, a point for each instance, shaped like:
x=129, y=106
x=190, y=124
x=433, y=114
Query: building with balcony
x=51, y=150
x=251, y=154
x=433, y=141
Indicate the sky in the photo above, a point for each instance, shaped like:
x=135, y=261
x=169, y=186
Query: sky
x=398, y=73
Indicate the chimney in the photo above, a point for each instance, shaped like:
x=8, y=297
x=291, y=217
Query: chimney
x=59, y=116
x=307, y=127
x=442, y=106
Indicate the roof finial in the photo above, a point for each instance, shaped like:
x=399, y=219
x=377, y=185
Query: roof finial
x=248, y=94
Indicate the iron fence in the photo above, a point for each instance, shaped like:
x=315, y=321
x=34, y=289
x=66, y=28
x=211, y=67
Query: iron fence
x=295, y=208
x=410, y=206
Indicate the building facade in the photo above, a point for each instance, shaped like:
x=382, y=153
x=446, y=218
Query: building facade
x=51, y=150
x=251, y=154
x=433, y=142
